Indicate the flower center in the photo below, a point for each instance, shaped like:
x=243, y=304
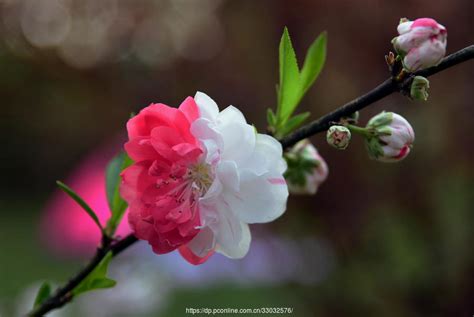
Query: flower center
x=201, y=177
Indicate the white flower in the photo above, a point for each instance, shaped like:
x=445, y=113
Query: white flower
x=422, y=43
x=247, y=186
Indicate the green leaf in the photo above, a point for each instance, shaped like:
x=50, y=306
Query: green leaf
x=271, y=118
x=294, y=123
x=43, y=294
x=289, y=88
x=116, y=203
x=314, y=62
x=80, y=201
x=97, y=279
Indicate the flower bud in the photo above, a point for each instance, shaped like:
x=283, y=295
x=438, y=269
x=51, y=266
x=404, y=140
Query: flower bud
x=307, y=170
x=391, y=138
x=419, y=88
x=338, y=137
x=421, y=43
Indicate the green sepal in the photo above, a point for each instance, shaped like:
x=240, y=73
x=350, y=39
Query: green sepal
x=374, y=148
x=117, y=204
x=382, y=119
x=298, y=168
x=43, y=294
x=97, y=279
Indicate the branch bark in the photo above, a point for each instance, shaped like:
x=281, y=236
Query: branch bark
x=63, y=295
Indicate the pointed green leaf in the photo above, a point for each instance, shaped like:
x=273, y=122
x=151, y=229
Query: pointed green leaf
x=314, y=62
x=271, y=118
x=289, y=88
x=294, y=123
x=80, y=201
x=97, y=279
x=102, y=283
x=116, y=203
x=43, y=294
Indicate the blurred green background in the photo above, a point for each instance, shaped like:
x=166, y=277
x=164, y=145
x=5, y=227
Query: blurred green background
x=400, y=235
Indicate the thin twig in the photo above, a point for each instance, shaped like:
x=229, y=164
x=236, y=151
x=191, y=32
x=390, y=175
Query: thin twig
x=63, y=295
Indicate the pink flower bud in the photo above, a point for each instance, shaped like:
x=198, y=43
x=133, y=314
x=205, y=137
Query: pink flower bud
x=392, y=137
x=307, y=170
x=422, y=43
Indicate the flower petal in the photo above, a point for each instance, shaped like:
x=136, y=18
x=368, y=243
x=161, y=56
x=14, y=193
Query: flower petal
x=203, y=129
x=228, y=175
x=239, y=141
x=232, y=235
x=190, y=109
x=200, y=248
x=261, y=198
x=266, y=157
x=207, y=107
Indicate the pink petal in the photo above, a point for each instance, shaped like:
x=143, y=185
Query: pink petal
x=192, y=258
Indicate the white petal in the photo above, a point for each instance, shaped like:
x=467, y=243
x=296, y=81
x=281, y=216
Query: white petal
x=229, y=115
x=404, y=27
x=228, y=175
x=232, y=236
x=207, y=107
x=412, y=60
x=267, y=156
x=203, y=242
x=204, y=129
x=239, y=141
x=412, y=39
x=261, y=198
x=214, y=191
x=390, y=152
x=431, y=52
x=394, y=140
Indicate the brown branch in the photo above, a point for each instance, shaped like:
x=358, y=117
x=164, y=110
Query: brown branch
x=386, y=88
x=63, y=295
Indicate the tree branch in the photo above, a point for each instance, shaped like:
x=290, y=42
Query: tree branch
x=63, y=295
x=386, y=88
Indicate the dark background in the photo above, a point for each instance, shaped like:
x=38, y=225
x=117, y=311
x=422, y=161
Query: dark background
x=401, y=234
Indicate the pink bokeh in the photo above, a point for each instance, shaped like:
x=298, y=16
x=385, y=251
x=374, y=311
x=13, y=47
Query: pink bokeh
x=66, y=228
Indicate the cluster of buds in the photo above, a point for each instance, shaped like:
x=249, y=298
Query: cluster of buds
x=389, y=138
x=421, y=43
x=307, y=170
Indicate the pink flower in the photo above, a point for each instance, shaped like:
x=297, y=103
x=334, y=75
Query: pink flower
x=199, y=177
x=422, y=43
x=163, y=202
x=307, y=169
